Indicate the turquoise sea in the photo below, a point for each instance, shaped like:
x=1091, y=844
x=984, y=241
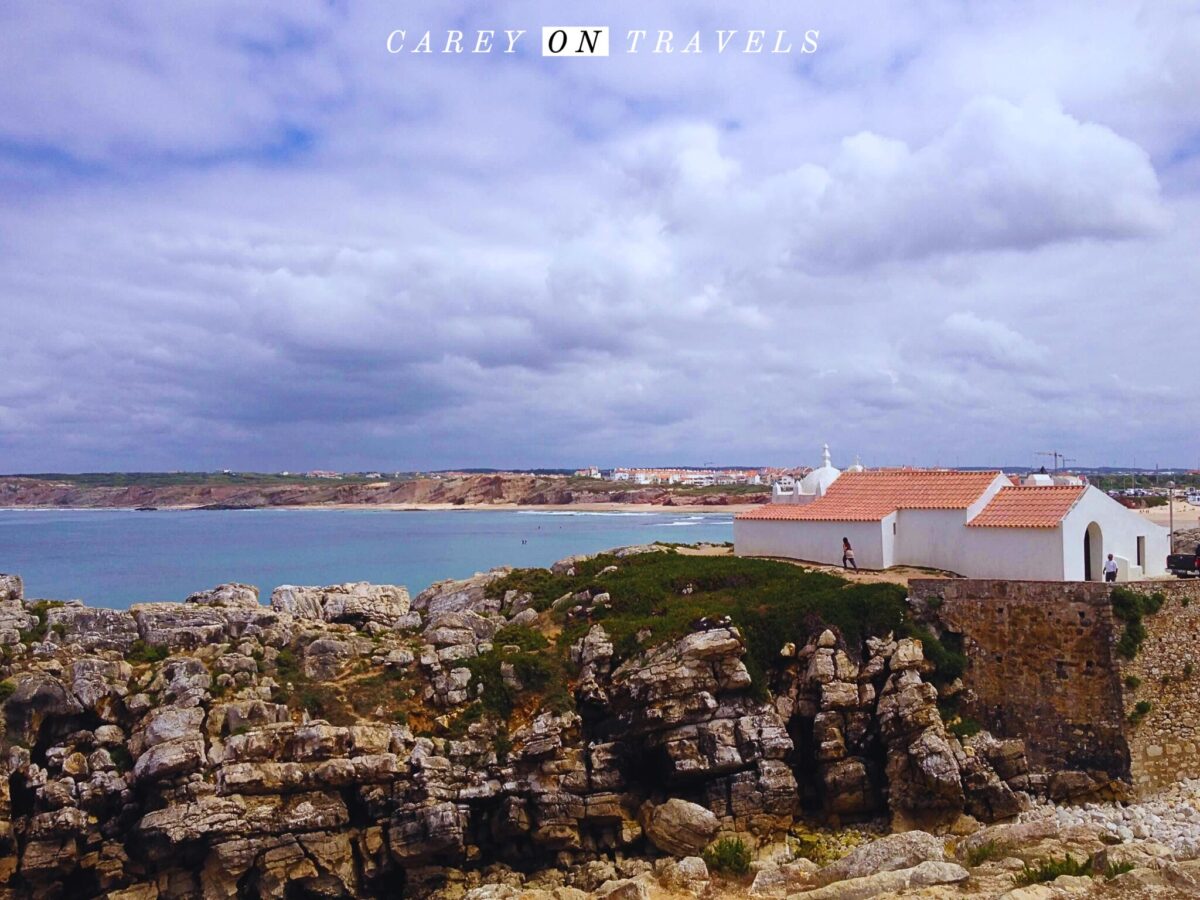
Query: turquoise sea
x=118, y=557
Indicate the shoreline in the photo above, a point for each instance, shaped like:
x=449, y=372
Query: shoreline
x=631, y=508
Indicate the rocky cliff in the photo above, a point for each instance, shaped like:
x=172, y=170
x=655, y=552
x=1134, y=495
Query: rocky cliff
x=350, y=741
x=523, y=490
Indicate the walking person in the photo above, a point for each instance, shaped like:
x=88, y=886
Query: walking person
x=848, y=555
x=1110, y=569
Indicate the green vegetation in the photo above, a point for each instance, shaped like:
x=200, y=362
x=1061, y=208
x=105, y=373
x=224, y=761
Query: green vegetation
x=1133, y=682
x=662, y=595
x=321, y=702
x=946, y=654
x=141, y=652
x=38, y=610
x=657, y=597
x=964, y=727
x=729, y=856
x=985, y=852
x=538, y=667
x=1140, y=711
x=1113, y=869
x=1049, y=869
x=121, y=757
x=287, y=667
x=1131, y=607
x=382, y=692
x=7, y=686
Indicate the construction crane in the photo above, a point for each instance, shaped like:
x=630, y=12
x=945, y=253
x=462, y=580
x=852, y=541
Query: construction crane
x=1055, y=455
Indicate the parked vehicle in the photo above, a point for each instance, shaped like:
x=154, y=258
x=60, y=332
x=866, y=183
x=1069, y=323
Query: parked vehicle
x=1185, y=565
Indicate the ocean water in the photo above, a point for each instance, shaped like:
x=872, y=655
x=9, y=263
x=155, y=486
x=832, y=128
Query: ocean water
x=118, y=557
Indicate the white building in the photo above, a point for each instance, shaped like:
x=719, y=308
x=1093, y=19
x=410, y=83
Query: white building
x=809, y=488
x=977, y=524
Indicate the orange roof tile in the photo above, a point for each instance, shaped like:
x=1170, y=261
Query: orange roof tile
x=1029, y=507
x=870, y=496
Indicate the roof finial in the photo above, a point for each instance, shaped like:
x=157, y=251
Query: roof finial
x=825, y=459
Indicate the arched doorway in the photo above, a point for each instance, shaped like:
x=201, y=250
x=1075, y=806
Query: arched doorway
x=1093, y=553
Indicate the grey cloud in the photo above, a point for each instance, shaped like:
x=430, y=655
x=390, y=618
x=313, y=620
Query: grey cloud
x=484, y=262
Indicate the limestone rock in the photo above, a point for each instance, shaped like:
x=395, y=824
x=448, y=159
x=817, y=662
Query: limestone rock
x=357, y=603
x=232, y=595
x=11, y=588
x=895, y=851
x=92, y=628
x=681, y=828
x=924, y=874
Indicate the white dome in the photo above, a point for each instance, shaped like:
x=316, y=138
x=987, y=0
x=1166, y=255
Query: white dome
x=818, y=480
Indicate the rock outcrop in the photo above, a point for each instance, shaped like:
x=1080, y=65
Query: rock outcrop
x=346, y=742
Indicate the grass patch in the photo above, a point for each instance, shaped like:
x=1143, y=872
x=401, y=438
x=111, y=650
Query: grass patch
x=771, y=602
x=658, y=597
x=730, y=856
x=7, y=686
x=986, y=852
x=321, y=702
x=141, y=652
x=387, y=690
x=1049, y=869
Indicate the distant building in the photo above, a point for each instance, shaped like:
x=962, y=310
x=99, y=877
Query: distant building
x=690, y=477
x=977, y=524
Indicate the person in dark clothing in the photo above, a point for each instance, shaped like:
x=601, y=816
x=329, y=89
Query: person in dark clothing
x=848, y=555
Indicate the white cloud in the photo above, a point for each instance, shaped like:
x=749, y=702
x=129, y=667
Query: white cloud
x=900, y=243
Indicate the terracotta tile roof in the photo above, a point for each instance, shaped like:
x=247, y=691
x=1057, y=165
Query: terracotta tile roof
x=1029, y=507
x=870, y=496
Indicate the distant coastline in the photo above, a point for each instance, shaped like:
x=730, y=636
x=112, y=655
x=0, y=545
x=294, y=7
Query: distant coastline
x=468, y=492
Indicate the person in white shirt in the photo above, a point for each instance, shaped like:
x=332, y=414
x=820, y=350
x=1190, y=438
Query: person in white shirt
x=1110, y=569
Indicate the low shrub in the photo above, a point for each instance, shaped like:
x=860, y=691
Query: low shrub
x=729, y=856
x=1140, y=711
x=38, y=610
x=985, y=852
x=1049, y=869
x=287, y=666
x=1113, y=869
x=1131, y=607
x=1133, y=682
x=7, y=686
x=964, y=727
x=141, y=652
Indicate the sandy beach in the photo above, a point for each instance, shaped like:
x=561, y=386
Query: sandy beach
x=1186, y=515
x=731, y=509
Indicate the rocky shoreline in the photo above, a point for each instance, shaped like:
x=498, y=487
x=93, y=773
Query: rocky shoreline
x=351, y=741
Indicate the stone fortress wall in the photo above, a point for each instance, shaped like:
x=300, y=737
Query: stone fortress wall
x=1042, y=665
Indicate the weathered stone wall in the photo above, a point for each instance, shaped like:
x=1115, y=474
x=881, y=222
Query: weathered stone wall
x=1164, y=746
x=1042, y=665
x=1039, y=666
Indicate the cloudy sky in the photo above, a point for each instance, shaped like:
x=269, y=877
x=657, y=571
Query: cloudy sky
x=245, y=236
